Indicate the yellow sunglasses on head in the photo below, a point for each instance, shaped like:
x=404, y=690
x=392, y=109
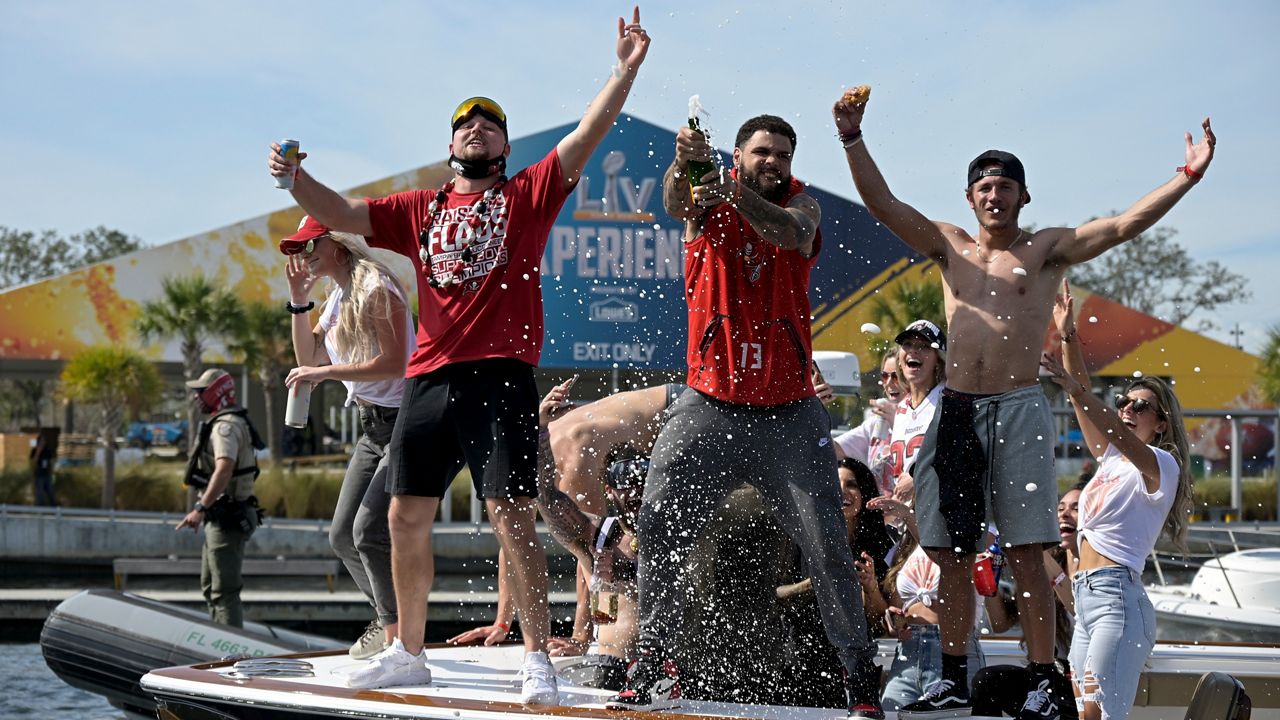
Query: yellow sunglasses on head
x=482, y=104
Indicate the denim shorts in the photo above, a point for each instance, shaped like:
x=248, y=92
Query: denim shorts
x=917, y=664
x=1115, y=631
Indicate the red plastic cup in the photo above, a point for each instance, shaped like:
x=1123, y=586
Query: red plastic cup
x=984, y=576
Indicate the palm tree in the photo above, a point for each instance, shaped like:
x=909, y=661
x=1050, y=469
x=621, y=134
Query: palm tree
x=115, y=379
x=905, y=303
x=1269, y=368
x=194, y=310
x=265, y=341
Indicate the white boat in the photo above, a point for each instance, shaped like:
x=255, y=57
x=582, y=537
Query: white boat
x=483, y=682
x=1233, y=598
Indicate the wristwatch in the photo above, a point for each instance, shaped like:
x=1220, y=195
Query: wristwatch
x=298, y=309
x=198, y=507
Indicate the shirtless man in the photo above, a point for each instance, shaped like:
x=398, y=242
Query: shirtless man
x=988, y=454
x=579, y=467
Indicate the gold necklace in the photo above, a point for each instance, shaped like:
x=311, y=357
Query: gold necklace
x=978, y=248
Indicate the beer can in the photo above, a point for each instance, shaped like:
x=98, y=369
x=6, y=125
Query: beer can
x=289, y=149
x=298, y=408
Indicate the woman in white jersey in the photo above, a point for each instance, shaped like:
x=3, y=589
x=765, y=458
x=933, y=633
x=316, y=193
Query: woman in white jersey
x=364, y=338
x=869, y=442
x=922, y=352
x=1142, y=486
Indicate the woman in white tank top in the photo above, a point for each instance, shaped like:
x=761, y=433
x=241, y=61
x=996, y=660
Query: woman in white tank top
x=363, y=338
x=1142, y=486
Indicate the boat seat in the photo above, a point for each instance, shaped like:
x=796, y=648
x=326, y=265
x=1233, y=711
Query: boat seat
x=1219, y=696
x=122, y=568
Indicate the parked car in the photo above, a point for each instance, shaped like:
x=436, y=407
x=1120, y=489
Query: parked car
x=147, y=434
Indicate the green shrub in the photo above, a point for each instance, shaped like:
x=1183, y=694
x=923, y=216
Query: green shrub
x=1258, y=496
x=16, y=487
x=292, y=493
x=80, y=486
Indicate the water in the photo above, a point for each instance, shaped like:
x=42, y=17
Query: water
x=33, y=691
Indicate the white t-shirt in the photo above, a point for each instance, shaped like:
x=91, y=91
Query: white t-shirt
x=909, y=427
x=1117, y=514
x=386, y=393
x=869, y=443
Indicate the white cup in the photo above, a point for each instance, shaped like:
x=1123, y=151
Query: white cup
x=297, y=410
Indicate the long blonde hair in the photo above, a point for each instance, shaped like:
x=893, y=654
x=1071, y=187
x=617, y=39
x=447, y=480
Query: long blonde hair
x=365, y=299
x=1173, y=441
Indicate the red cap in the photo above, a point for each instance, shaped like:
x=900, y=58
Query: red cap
x=308, y=230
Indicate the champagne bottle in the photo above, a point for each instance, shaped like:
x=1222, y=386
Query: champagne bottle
x=698, y=168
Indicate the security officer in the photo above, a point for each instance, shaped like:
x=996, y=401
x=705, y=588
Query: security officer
x=222, y=467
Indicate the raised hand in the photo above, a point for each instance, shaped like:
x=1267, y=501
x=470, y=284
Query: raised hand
x=1063, y=318
x=692, y=145
x=279, y=167
x=300, y=279
x=555, y=402
x=1200, y=154
x=633, y=42
x=1059, y=375
x=848, y=113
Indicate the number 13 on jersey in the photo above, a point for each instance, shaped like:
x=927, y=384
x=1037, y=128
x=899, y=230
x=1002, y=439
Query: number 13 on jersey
x=752, y=356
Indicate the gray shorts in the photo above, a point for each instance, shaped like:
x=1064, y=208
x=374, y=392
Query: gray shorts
x=988, y=459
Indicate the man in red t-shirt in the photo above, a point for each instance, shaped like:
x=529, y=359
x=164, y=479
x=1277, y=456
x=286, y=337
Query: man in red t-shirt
x=751, y=413
x=470, y=397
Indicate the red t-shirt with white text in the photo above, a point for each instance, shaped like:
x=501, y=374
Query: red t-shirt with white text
x=496, y=311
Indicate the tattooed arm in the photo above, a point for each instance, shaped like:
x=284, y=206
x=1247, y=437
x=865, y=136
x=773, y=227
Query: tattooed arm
x=571, y=527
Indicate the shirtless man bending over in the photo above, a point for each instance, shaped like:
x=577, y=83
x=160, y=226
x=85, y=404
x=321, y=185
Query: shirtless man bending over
x=988, y=456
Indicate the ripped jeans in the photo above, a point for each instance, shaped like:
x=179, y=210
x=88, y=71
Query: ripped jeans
x=1115, y=631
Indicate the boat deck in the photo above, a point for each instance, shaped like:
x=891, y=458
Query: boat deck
x=480, y=682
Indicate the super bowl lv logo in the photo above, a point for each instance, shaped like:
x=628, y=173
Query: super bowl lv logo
x=618, y=191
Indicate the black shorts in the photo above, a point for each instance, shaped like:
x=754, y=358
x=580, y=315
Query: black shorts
x=483, y=413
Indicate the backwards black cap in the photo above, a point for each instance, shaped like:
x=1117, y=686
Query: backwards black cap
x=1010, y=167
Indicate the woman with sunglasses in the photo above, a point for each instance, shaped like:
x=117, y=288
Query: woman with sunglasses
x=364, y=338
x=1142, y=486
x=869, y=442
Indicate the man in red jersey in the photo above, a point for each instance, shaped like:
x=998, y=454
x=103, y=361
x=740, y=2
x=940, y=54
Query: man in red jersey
x=751, y=238
x=470, y=397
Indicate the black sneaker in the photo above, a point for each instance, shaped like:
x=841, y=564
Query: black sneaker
x=942, y=699
x=862, y=693
x=1040, y=703
x=652, y=684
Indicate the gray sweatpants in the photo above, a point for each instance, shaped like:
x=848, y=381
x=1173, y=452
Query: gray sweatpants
x=359, y=533
x=705, y=450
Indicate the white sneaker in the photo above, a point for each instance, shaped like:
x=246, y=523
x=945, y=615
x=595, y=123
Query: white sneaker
x=539, y=687
x=391, y=668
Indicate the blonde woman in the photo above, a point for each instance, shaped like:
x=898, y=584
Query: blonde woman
x=1142, y=486
x=364, y=338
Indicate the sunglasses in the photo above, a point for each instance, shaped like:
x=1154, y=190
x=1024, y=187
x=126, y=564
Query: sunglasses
x=1140, y=405
x=306, y=249
x=626, y=474
x=483, y=104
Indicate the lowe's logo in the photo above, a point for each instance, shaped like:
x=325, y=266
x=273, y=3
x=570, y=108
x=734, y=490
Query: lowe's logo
x=614, y=310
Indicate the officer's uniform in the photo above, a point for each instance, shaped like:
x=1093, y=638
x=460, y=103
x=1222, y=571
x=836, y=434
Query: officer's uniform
x=223, y=553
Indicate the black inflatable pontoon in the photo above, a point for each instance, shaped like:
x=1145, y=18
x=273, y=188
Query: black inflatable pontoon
x=104, y=641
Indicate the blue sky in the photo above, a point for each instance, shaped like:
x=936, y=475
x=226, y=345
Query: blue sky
x=153, y=118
